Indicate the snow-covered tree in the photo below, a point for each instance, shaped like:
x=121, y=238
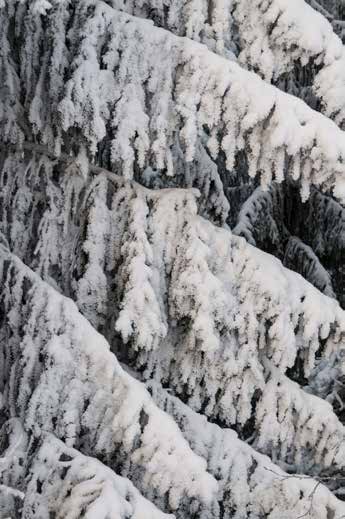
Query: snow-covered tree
x=172, y=259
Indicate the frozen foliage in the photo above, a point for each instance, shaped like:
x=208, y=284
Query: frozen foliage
x=323, y=226
x=130, y=139
x=271, y=37
x=10, y=109
x=66, y=384
x=298, y=428
x=268, y=220
x=182, y=254
x=208, y=21
x=59, y=481
x=250, y=485
x=184, y=89
x=13, y=443
x=202, y=174
x=65, y=381
x=300, y=257
x=276, y=34
x=152, y=239
x=327, y=380
x=257, y=221
x=64, y=482
x=193, y=303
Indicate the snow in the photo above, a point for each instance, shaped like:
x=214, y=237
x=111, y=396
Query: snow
x=218, y=307
x=80, y=385
x=182, y=90
x=180, y=463
x=257, y=485
x=73, y=484
x=157, y=278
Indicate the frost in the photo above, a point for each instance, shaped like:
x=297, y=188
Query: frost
x=197, y=89
x=65, y=380
x=143, y=173
x=72, y=485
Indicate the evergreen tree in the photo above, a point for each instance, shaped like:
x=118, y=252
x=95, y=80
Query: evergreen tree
x=172, y=259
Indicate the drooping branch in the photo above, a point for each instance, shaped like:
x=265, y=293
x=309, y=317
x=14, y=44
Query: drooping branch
x=198, y=90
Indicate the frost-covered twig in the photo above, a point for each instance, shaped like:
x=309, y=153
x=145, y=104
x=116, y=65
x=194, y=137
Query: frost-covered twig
x=319, y=481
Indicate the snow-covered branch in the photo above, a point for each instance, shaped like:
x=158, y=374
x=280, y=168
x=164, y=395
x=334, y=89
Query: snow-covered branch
x=130, y=139
x=196, y=90
x=65, y=380
x=197, y=307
